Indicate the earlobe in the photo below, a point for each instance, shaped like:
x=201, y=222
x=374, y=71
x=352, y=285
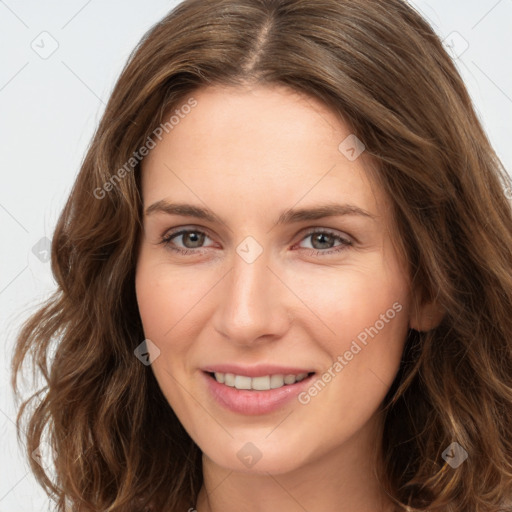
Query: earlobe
x=426, y=317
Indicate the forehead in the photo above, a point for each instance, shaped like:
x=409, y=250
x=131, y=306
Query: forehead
x=241, y=122
x=268, y=144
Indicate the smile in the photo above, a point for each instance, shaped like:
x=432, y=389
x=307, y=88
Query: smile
x=263, y=383
x=261, y=394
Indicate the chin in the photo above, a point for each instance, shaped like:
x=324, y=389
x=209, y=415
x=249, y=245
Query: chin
x=257, y=458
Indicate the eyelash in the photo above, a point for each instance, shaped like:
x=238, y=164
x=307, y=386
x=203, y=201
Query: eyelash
x=345, y=242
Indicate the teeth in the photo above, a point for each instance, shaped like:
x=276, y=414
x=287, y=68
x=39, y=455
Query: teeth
x=242, y=382
x=258, y=383
x=276, y=381
x=289, y=379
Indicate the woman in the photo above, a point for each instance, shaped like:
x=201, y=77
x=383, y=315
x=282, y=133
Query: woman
x=210, y=352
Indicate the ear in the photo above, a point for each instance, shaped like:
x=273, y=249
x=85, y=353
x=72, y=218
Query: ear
x=425, y=317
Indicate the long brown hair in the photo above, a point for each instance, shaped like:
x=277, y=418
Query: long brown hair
x=117, y=444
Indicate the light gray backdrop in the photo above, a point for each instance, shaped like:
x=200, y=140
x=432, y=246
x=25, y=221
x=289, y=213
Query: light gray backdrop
x=59, y=63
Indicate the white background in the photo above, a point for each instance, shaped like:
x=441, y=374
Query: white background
x=50, y=107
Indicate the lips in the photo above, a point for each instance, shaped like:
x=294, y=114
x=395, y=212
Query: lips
x=255, y=399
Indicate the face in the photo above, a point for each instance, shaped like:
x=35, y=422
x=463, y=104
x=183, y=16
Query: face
x=268, y=280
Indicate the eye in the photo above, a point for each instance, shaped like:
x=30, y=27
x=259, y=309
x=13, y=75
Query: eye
x=192, y=239
x=322, y=242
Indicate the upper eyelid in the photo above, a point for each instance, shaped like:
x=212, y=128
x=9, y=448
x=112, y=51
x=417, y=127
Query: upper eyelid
x=186, y=229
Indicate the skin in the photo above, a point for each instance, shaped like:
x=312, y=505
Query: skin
x=248, y=154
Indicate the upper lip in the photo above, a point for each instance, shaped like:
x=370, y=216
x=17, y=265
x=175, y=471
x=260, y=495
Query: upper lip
x=259, y=370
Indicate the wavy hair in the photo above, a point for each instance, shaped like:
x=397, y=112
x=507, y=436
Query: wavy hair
x=116, y=443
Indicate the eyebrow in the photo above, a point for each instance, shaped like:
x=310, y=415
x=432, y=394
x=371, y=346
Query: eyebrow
x=287, y=217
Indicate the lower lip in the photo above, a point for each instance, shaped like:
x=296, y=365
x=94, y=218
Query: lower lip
x=254, y=402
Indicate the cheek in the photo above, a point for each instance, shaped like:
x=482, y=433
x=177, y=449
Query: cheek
x=364, y=325
x=349, y=300
x=164, y=297
x=173, y=306
x=367, y=308
x=152, y=302
x=163, y=301
x=371, y=307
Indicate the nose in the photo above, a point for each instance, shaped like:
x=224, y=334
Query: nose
x=252, y=303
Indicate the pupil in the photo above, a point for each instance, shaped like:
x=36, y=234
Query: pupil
x=318, y=238
x=199, y=238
